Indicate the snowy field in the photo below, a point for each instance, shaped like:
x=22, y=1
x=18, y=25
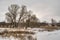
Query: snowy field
x=40, y=35
x=54, y=35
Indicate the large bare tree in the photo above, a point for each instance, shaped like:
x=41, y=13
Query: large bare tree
x=12, y=14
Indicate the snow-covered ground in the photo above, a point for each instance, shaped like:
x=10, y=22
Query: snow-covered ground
x=45, y=35
x=40, y=35
x=54, y=35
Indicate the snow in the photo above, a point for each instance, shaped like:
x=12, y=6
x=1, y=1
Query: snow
x=54, y=35
x=35, y=29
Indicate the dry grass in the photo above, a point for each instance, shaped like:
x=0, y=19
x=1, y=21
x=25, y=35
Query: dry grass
x=49, y=28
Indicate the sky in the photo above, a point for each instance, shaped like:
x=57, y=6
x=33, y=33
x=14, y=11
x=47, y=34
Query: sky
x=45, y=10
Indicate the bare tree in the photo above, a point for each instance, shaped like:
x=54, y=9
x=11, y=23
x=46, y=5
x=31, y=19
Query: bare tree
x=53, y=22
x=24, y=14
x=13, y=11
x=12, y=14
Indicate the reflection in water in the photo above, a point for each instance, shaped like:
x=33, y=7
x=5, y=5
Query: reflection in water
x=19, y=37
x=9, y=38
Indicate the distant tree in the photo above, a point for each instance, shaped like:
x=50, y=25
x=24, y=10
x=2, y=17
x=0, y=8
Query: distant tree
x=44, y=22
x=53, y=22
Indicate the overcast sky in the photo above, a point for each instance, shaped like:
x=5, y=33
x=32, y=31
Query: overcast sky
x=44, y=9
